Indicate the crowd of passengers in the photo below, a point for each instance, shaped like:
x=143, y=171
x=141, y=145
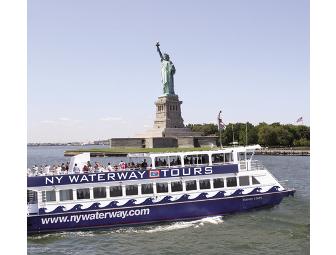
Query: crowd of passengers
x=64, y=168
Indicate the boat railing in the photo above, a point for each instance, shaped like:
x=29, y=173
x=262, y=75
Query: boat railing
x=256, y=165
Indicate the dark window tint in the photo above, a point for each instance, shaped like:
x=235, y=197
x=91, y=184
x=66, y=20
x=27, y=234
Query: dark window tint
x=231, y=182
x=147, y=188
x=65, y=195
x=228, y=157
x=176, y=186
x=204, y=184
x=191, y=185
x=83, y=194
x=217, y=158
x=218, y=183
x=162, y=187
x=115, y=191
x=132, y=190
x=254, y=180
x=49, y=196
x=99, y=192
x=244, y=180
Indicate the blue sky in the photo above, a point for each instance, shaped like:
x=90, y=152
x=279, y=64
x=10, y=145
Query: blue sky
x=94, y=73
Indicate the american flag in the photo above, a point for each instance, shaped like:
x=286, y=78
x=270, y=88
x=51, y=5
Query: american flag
x=221, y=125
x=299, y=120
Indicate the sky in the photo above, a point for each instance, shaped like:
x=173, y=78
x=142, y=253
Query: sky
x=94, y=72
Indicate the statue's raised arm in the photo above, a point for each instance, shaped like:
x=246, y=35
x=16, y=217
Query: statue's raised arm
x=158, y=49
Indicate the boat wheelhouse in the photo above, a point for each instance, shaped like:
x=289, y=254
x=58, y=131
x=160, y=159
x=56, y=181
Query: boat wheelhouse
x=169, y=187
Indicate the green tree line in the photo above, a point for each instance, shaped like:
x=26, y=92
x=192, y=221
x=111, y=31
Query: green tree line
x=272, y=135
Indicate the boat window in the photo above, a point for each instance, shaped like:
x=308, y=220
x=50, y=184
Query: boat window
x=174, y=160
x=131, y=190
x=228, y=157
x=115, y=191
x=83, y=193
x=241, y=156
x=191, y=185
x=147, y=188
x=217, y=158
x=244, y=180
x=254, y=180
x=231, y=182
x=162, y=187
x=218, y=183
x=49, y=196
x=161, y=161
x=31, y=197
x=249, y=155
x=66, y=194
x=200, y=159
x=99, y=192
x=204, y=184
x=176, y=186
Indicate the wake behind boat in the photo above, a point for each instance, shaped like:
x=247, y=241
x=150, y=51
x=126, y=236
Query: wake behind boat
x=166, y=187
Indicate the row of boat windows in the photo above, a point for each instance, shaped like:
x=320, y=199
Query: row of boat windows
x=199, y=159
x=161, y=187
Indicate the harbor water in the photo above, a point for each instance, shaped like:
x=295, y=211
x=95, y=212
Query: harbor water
x=283, y=229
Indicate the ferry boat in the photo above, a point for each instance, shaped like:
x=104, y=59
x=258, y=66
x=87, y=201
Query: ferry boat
x=173, y=186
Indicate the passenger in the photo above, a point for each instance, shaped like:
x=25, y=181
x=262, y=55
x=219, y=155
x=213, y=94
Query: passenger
x=178, y=161
x=29, y=172
x=96, y=167
x=76, y=169
x=59, y=170
x=115, y=167
x=173, y=163
x=67, y=166
x=109, y=167
x=85, y=169
x=35, y=170
x=122, y=165
x=63, y=168
x=144, y=164
x=46, y=170
x=132, y=165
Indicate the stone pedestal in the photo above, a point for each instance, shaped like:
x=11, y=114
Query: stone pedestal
x=168, y=112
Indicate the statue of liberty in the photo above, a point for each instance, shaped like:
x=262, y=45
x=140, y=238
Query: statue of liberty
x=167, y=72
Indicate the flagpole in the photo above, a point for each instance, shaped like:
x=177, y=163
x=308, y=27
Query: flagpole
x=220, y=130
x=246, y=133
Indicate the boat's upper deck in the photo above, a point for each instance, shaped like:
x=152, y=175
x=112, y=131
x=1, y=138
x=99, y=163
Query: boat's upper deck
x=164, y=165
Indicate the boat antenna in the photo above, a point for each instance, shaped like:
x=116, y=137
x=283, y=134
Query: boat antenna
x=246, y=134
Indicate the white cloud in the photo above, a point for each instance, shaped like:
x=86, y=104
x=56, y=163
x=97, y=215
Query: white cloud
x=110, y=119
x=48, y=122
x=64, y=119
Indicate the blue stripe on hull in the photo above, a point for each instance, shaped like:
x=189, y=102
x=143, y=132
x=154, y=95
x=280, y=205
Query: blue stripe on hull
x=156, y=213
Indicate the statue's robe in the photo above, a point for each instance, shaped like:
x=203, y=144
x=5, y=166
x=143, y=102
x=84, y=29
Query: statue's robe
x=167, y=77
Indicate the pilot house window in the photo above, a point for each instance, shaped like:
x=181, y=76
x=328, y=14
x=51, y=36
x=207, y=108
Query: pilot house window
x=244, y=180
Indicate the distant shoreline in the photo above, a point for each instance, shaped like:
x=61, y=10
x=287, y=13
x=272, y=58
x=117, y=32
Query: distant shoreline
x=122, y=152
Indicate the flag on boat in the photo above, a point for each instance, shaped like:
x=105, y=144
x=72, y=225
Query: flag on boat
x=299, y=120
x=221, y=125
